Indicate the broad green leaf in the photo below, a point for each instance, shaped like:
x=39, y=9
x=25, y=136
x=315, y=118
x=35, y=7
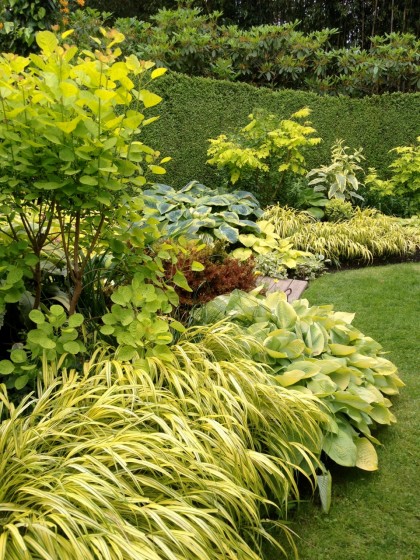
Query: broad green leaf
x=308, y=368
x=361, y=361
x=227, y=233
x=65, y=34
x=37, y=316
x=76, y=320
x=68, y=126
x=341, y=349
x=123, y=315
x=127, y=168
x=66, y=154
x=176, y=325
x=242, y=254
x=122, y=295
x=162, y=352
x=107, y=329
x=321, y=385
x=285, y=314
x=324, y=481
x=315, y=339
x=88, y=180
x=21, y=381
x=197, y=266
x=18, y=356
x=157, y=169
x=57, y=310
x=289, y=377
x=68, y=89
x=381, y=414
x=344, y=397
x=41, y=339
x=295, y=349
x=13, y=295
x=6, y=367
x=46, y=41
x=342, y=380
x=48, y=185
x=330, y=364
x=134, y=121
x=180, y=280
x=105, y=94
x=345, y=317
x=341, y=448
x=125, y=353
x=72, y=347
x=15, y=274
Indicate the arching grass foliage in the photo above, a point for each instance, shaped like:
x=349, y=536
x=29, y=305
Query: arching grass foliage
x=180, y=460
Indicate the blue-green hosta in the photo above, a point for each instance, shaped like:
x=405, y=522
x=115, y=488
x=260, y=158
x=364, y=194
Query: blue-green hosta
x=317, y=351
x=199, y=211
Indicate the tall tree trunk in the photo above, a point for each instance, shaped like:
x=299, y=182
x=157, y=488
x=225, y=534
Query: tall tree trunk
x=374, y=18
x=392, y=17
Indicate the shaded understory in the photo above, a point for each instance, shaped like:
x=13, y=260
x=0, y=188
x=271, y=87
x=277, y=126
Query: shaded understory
x=374, y=516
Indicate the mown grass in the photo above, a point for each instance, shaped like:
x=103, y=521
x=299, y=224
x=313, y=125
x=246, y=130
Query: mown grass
x=374, y=516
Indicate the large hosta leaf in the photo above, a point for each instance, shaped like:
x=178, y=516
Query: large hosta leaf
x=285, y=314
x=324, y=481
x=366, y=459
x=228, y=233
x=316, y=339
x=290, y=377
x=341, y=448
x=341, y=349
x=321, y=385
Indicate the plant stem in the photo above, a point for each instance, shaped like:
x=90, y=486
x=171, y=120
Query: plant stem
x=76, y=272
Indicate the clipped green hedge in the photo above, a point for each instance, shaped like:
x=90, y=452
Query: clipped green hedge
x=195, y=109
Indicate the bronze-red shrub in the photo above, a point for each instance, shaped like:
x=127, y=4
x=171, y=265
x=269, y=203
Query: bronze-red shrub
x=221, y=275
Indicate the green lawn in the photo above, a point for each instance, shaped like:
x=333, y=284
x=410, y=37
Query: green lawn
x=374, y=516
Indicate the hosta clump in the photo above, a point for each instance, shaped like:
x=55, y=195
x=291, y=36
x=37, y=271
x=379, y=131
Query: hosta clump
x=318, y=351
x=198, y=211
x=274, y=256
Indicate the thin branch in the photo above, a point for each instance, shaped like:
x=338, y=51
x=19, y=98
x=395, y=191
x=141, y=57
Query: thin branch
x=63, y=240
x=14, y=234
x=76, y=246
x=43, y=237
x=28, y=231
x=93, y=243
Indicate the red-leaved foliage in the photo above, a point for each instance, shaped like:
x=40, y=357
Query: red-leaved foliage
x=221, y=275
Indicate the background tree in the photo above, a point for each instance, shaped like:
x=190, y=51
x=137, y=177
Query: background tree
x=357, y=20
